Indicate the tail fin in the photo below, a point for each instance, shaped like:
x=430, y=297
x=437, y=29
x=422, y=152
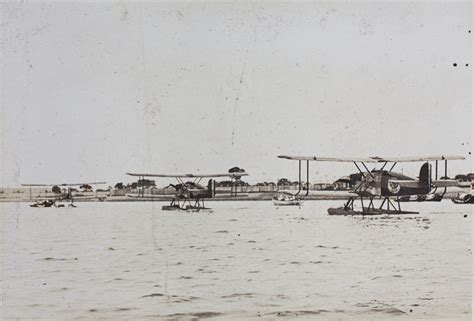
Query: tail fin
x=211, y=187
x=425, y=177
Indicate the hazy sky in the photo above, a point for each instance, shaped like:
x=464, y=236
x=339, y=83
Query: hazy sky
x=91, y=91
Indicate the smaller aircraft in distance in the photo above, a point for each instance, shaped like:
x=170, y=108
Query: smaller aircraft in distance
x=190, y=195
x=63, y=193
x=383, y=184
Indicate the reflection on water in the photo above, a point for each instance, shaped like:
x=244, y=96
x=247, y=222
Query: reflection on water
x=245, y=260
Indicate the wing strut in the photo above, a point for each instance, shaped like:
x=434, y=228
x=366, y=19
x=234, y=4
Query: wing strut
x=299, y=177
x=371, y=175
x=393, y=166
x=358, y=168
x=307, y=178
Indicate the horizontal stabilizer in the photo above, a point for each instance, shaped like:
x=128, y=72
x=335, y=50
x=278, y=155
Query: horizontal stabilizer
x=445, y=183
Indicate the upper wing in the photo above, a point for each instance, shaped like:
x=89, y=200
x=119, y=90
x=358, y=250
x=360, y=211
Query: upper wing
x=374, y=159
x=422, y=159
x=64, y=184
x=189, y=175
x=328, y=159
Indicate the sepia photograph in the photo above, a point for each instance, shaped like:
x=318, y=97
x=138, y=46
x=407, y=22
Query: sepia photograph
x=236, y=160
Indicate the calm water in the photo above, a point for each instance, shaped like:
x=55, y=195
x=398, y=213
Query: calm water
x=246, y=260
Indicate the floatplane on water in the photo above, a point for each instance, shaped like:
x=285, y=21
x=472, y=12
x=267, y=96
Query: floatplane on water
x=63, y=193
x=385, y=185
x=190, y=195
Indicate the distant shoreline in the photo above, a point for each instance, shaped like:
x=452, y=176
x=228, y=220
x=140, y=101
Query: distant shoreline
x=158, y=198
x=262, y=196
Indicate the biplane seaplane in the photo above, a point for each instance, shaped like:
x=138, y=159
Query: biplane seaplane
x=385, y=185
x=63, y=193
x=189, y=194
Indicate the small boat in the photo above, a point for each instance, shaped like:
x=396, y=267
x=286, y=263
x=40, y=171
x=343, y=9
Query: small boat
x=286, y=199
x=464, y=198
x=43, y=203
x=187, y=208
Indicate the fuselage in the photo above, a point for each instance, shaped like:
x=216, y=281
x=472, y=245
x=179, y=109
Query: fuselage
x=385, y=183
